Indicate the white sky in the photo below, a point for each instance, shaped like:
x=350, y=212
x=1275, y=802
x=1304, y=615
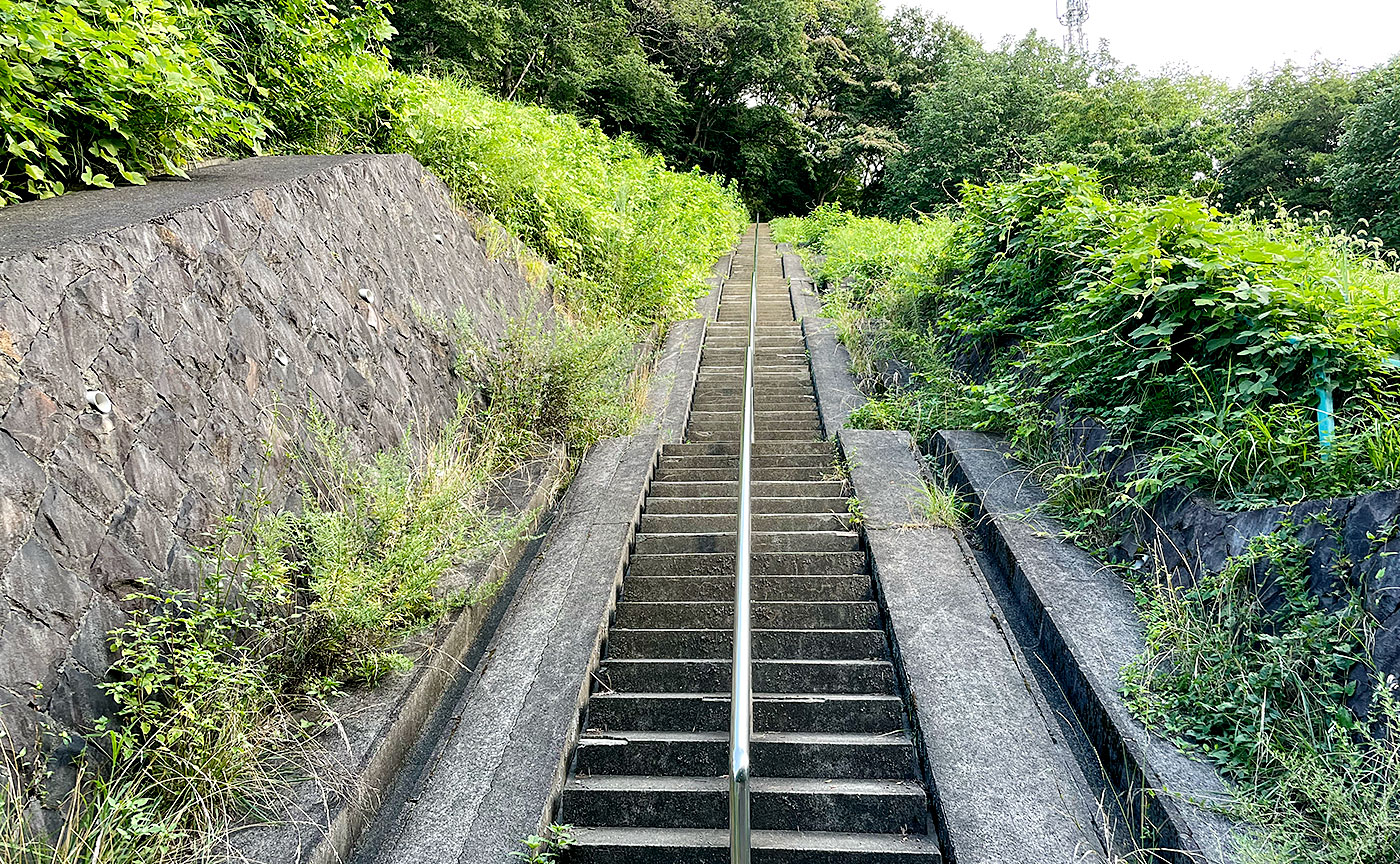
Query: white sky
x=1226, y=38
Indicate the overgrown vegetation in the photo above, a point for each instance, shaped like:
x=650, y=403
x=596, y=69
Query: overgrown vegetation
x=629, y=239
x=94, y=92
x=221, y=690
x=1248, y=670
x=798, y=103
x=1198, y=337
x=1189, y=346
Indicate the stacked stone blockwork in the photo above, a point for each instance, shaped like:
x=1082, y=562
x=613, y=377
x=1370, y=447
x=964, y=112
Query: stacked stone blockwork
x=148, y=337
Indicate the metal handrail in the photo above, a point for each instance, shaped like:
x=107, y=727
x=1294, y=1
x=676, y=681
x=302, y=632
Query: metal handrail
x=741, y=691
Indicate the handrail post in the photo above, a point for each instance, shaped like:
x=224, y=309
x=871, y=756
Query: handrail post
x=741, y=691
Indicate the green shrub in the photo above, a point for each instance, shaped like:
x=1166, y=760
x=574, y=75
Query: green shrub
x=1201, y=337
x=630, y=239
x=570, y=382
x=97, y=91
x=317, y=69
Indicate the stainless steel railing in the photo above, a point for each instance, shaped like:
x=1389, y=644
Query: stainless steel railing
x=741, y=691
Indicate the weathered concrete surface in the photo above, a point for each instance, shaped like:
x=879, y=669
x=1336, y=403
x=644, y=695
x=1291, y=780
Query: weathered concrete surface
x=805, y=302
x=673, y=380
x=1007, y=788
x=197, y=309
x=837, y=393
x=1090, y=629
x=496, y=773
x=708, y=305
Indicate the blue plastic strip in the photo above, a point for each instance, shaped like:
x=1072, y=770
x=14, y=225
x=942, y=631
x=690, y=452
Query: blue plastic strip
x=1326, y=421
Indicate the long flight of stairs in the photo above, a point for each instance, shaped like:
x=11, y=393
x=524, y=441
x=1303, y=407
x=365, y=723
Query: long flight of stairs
x=836, y=775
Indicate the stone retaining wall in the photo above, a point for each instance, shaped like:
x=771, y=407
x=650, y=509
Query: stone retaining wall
x=148, y=337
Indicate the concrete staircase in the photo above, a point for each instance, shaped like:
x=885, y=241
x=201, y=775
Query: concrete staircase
x=837, y=776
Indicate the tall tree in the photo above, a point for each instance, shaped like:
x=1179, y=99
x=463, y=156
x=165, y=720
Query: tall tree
x=1366, y=168
x=992, y=114
x=1287, y=128
x=1147, y=137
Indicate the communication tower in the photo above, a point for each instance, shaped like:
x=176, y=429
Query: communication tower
x=1075, y=14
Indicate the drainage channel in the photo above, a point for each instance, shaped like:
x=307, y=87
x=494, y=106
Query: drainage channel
x=836, y=777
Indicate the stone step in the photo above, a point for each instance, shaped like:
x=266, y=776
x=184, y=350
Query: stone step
x=773, y=712
x=668, y=675
x=807, y=431
x=703, y=448
x=775, y=541
x=763, y=564
x=763, y=414
x=803, y=474
x=767, y=644
x=709, y=523
x=733, y=374
x=721, y=505
x=795, y=615
x=786, y=402
x=774, y=344
x=798, y=397
x=758, y=489
x=786, y=460
x=779, y=328
x=831, y=755
x=659, y=589
x=778, y=420
x=767, y=435
x=778, y=803
x=711, y=846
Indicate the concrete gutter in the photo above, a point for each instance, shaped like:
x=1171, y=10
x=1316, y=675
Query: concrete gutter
x=490, y=770
x=1005, y=785
x=421, y=698
x=1089, y=630
x=497, y=767
x=673, y=380
x=377, y=727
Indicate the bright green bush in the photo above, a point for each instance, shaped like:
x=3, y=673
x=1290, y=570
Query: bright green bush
x=1200, y=336
x=1365, y=171
x=630, y=238
x=97, y=91
x=316, y=69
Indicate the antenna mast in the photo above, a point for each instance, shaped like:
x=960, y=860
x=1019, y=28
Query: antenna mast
x=1075, y=14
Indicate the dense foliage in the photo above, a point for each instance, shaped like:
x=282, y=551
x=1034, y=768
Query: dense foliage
x=1200, y=337
x=96, y=91
x=1197, y=340
x=628, y=237
x=799, y=102
x=804, y=103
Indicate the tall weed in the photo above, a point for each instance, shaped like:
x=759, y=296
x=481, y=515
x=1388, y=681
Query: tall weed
x=1248, y=670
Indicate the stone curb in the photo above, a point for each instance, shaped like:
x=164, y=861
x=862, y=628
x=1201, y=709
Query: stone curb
x=498, y=771
x=1006, y=787
x=1090, y=630
x=673, y=379
x=1154, y=775
x=419, y=701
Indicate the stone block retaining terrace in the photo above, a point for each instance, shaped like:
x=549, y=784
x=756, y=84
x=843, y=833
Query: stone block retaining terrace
x=917, y=699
